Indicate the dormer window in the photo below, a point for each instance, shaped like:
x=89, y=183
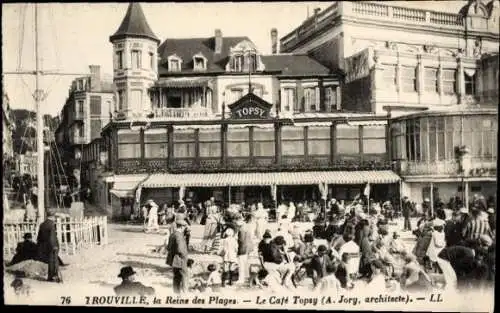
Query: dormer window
x=199, y=62
x=244, y=57
x=80, y=84
x=174, y=63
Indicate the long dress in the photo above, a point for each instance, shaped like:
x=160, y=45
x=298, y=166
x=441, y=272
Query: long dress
x=210, y=225
x=260, y=216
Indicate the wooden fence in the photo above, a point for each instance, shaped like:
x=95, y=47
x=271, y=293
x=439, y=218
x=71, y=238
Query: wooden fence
x=73, y=234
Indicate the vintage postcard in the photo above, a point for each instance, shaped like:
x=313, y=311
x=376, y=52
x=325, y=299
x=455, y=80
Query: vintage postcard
x=311, y=155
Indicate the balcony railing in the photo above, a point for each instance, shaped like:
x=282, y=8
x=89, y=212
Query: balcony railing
x=237, y=164
x=370, y=10
x=479, y=167
x=183, y=113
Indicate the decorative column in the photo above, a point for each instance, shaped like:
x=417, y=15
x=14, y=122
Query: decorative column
x=333, y=141
x=360, y=143
x=251, y=145
x=277, y=143
x=223, y=144
x=398, y=76
x=460, y=81
x=197, y=147
x=143, y=146
x=388, y=137
x=440, y=81
x=306, y=145
x=432, y=198
x=170, y=149
x=420, y=78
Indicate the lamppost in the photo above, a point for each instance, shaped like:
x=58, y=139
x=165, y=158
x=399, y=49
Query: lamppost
x=462, y=156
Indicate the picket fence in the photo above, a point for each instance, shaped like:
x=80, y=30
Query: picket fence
x=73, y=233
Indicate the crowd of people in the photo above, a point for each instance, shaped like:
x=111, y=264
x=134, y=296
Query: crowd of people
x=348, y=246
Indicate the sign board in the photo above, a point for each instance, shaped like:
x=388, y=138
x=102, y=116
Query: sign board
x=250, y=106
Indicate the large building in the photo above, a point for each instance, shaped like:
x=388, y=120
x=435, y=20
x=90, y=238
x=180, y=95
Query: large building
x=435, y=71
x=87, y=110
x=203, y=117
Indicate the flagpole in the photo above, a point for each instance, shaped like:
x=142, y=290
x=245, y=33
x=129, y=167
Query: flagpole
x=39, y=94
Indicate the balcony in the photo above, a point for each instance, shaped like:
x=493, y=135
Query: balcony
x=479, y=167
x=244, y=164
x=183, y=113
x=365, y=10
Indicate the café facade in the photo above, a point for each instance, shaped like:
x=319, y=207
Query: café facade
x=250, y=155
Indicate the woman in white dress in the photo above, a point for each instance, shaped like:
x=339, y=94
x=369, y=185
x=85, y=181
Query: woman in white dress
x=260, y=216
x=153, y=217
x=291, y=211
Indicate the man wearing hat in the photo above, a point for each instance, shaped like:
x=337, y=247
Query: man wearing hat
x=130, y=287
x=48, y=246
x=319, y=263
x=25, y=250
x=406, y=213
x=177, y=255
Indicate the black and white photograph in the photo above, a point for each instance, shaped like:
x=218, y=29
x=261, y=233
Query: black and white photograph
x=336, y=155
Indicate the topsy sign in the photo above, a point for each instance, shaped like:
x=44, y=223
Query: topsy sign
x=250, y=106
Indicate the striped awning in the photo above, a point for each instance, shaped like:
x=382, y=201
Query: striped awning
x=185, y=82
x=126, y=188
x=270, y=178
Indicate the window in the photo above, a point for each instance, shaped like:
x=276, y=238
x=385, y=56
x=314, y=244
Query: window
x=184, y=143
x=470, y=84
x=292, y=141
x=236, y=94
x=431, y=80
x=310, y=99
x=318, y=140
x=121, y=100
x=408, y=79
x=251, y=62
x=449, y=82
x=389, y=76
x=129, y=146
x=156, y=144
x=237, y=63
x=263, y=142
x=199, y=63
x=174, y=65
x=209, y=143
x=374, y=140
x=81, y=131
x=347, y=139
x=151, y=60
x=288, y=99
x=398, y=146
x=330, y=98
x=119, y=60
x=95, y=105
x=79, y=108
x=136, y=56
x=208, y=98
x=413, y=140
x=238, y=142
x=80, y=84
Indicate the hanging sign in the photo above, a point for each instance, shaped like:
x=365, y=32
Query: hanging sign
x=250, y=106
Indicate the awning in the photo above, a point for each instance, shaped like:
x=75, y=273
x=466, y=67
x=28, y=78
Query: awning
x=367, y=123
x=124, y=187
x=185, y=82
x=271, y=178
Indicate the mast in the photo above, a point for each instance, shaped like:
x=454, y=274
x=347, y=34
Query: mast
x=39, y=125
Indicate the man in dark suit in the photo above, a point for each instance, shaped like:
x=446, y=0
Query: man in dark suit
x=130, y=287
x=245, y=246
x=331, y=229
x=319, y=263
x=407, y=208
x=48, y=246
x=177, y=255
x=26, y=250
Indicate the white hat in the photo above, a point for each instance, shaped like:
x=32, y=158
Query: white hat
x=464, y=210
x=438, y=222
x=491, y=210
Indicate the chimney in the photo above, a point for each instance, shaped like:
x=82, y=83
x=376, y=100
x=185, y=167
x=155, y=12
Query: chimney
x=274, y=41
x=95, y=77
x=218, y=41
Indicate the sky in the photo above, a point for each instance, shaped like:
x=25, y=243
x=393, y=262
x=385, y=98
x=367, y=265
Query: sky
x=76, y=35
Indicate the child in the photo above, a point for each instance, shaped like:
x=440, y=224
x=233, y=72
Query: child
x=229, y=254
x=255, y=281
x=213, y=281
x=329, y=283
x=397, y=245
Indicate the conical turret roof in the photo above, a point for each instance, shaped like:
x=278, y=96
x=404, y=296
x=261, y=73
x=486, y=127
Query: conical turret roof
x=134, y=24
